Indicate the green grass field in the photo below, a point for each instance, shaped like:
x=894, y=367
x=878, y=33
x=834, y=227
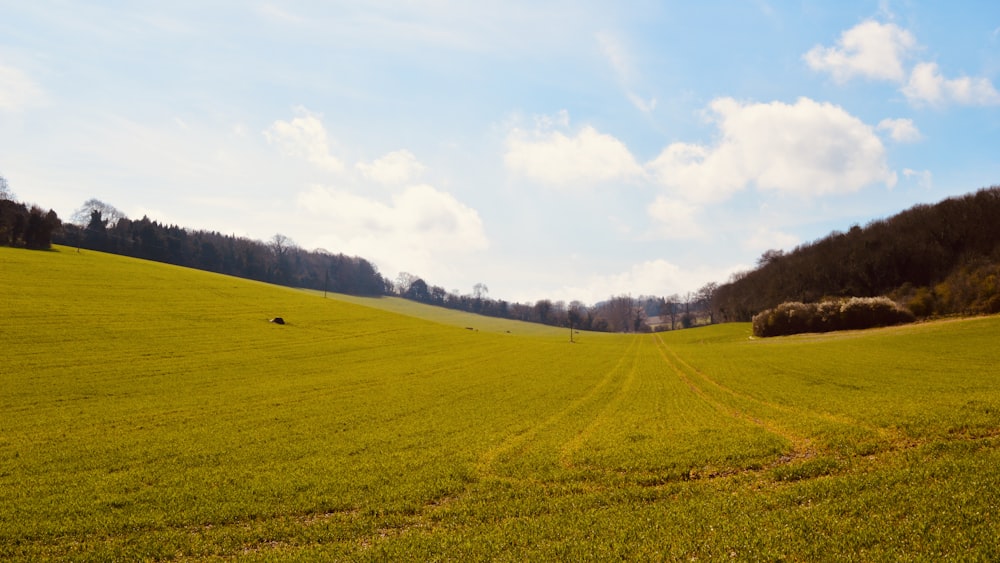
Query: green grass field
x=148, y=412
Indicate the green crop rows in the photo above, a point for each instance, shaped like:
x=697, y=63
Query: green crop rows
x=149, y=412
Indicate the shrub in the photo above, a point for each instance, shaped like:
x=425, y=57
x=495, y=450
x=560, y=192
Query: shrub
x=847, y=314
x=921, y=303
x=868, y=312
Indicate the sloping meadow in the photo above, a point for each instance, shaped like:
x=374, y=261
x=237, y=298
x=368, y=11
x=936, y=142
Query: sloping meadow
x=153, y=412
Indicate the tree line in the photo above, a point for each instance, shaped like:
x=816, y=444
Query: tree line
x=935, y=259
x=100, y=226
x=25, y=226
x=622, y=313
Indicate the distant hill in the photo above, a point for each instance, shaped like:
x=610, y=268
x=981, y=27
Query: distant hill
x=935, y=259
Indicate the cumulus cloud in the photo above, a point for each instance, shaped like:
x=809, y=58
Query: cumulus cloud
x=900, y=130
x=417, y=225
x=806, y=148
x=928, y=86
x=877, y=51
x=556, y=159
x=304, y=137
x=398, y=167
x=17, y=90
x=870, y=49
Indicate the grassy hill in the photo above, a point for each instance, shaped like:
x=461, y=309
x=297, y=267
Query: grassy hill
x=151, y=412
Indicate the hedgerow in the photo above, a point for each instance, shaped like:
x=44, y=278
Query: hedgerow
x=827, y=316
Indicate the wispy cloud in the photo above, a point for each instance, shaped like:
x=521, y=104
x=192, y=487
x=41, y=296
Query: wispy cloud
x=396, y=168
x=676, y=219
x=924, y=178
x=17, y=90
x=621, y=62
x=765, y=238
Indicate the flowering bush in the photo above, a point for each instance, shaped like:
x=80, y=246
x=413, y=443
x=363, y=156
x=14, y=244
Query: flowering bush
x=847, y=314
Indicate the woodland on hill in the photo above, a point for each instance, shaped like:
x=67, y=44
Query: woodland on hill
x=99, y=226
x=934, y=259
x=23, y=225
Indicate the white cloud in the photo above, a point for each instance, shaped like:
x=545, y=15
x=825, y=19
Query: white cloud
x=559, y=160
x=304, y=137
x=678, y=220
x=697, y=173
x=869, y=49
x=395, y=168
x=420, y=227
x=17, y=90
x=808, y=148
x=928, y=86
x=765, y=238
x=875, y=50
x=900, y=130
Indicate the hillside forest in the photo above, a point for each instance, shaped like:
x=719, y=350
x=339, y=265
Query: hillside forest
x=934, y=260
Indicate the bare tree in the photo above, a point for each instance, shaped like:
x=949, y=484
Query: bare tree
x=95, y=209
x=705, y=296
x=5, y=193
x=619, y=312
x=108, y=213
x=669, y=307
x=280, y=244
x=479, y=291
x=543, y=308
x=574, y=320
x=687, y=319
x=403, y=282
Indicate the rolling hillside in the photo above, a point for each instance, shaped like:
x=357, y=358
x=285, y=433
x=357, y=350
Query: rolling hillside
x=152, y=412
x=941, y=259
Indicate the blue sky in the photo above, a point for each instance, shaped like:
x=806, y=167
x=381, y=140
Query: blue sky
x=549, y=149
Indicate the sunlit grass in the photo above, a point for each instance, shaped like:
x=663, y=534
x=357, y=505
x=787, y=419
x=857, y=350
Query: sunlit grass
x=152, y=412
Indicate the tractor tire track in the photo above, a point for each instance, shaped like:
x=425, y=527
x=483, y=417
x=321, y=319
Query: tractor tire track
x=486, y=466
x=801, y=446
x=576, y=443
x=889, y=435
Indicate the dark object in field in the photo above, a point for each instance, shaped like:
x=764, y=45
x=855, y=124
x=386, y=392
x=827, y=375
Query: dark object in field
x=278, y=321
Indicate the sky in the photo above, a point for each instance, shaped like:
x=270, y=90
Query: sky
x=568, y=150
